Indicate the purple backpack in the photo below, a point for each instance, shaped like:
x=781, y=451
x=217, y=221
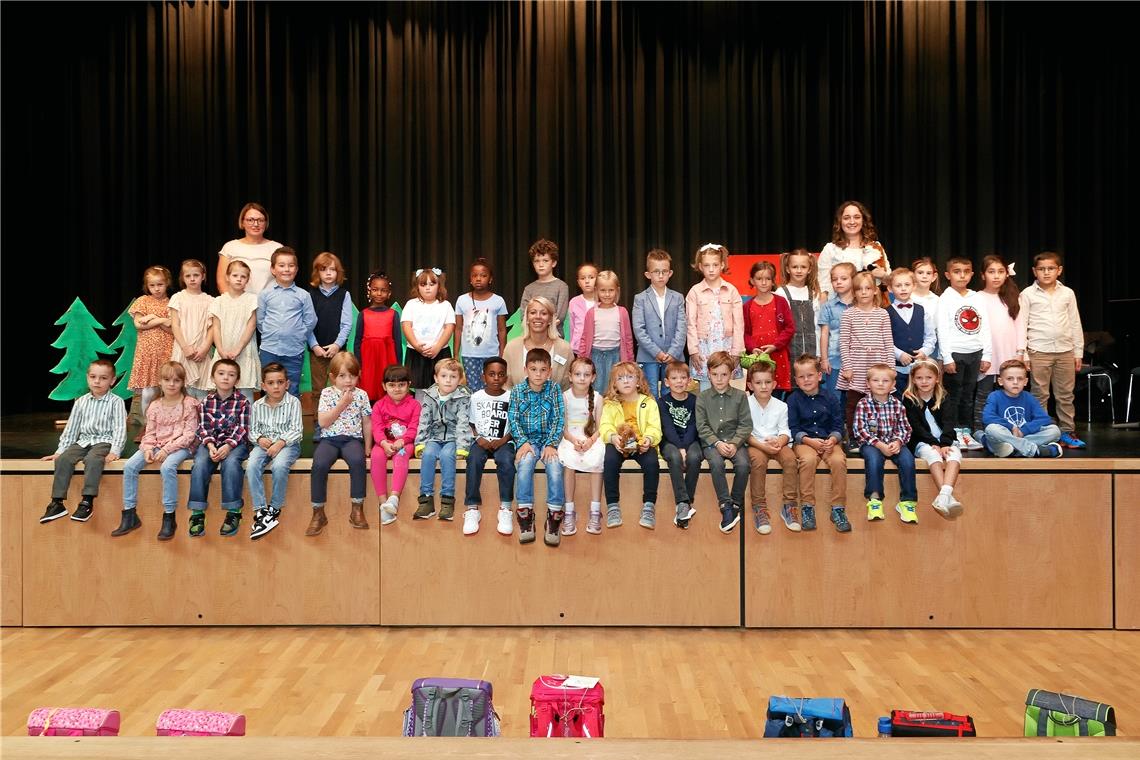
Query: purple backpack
x=451, y=707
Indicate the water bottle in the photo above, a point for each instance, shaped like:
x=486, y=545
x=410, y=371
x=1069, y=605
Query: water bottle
x=885, y=727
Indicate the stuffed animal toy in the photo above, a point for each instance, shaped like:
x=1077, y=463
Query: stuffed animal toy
x=628, y=437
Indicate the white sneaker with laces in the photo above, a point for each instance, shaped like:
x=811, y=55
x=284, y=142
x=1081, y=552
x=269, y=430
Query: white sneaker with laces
x=941, y=504
x=569, y=523
x=967, y=441
x=389, y=506
x=594, y=525
x=471, y=519
x=506, y=522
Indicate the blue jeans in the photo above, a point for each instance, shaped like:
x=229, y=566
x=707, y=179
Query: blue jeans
x=830, y=379
x=1026, y=446
x=444, y=453
x=873, y=461
x=655, y=376
x=604, y=360
x=504, y=457
x=292, y=366
x=524, y=482
x=278, y=465
x=232, y=477
x=169, y=470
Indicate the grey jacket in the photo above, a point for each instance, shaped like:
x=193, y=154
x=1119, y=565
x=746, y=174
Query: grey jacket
x=446, y=421
x=647, y=328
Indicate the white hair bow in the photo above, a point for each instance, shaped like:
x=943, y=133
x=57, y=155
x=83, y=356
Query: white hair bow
x=1009, y=268
x=711, y=246
x=434, y=270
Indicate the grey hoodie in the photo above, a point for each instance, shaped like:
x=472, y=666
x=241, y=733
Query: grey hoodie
x=446, y=421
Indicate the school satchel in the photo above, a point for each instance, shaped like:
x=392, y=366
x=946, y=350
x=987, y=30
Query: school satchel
x=1048, y=713
x=797, y=717
x=913, y=723
x=561, y=710
x=73, y=721
x=179, y=722
x=451, y=707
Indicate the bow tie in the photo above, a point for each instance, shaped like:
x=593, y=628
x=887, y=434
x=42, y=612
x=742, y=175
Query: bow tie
x=904, y=305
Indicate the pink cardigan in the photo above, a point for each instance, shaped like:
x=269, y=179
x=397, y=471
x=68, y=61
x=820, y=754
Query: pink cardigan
x=171, y=428
x=624, y=327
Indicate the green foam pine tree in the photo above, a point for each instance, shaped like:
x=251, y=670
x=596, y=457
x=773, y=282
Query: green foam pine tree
x=514, y=325
x=81, y=345
x=126, y=342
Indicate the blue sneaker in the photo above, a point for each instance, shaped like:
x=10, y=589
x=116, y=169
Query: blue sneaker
x=1070, y=441
x=729, y=517
x=807, y=516
x=1050, y=451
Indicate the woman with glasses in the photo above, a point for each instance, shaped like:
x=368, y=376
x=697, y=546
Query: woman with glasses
x=254, y=249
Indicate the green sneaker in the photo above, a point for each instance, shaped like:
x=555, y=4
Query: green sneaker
x=907, y=512
x=875, y=509
x=426, y=508
x=230, y=524
x=197, y=524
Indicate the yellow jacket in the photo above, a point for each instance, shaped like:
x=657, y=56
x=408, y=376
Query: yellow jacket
x=648, y=419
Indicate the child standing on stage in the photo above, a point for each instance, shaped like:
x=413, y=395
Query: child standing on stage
x=801, y=290
x=830, y=314
x=96, y=431
x=629, y=407
x=815, y=417
x=965, y=346
x=1002, y=310
x=169, y=440
x=607, y=336
x=658, y=321
x=882, y=430
x=1015, y=422
x=285, y=317
x=930, y=439
x=1054, y=340
x=275, y=441
x=680, y=447
x=395, y=422
x=489, y=421
x=864, y=339
x=536, y=417
x=377, y=335
x=723, y=426
x=770, y=439
x=190, y=323
x=768, y=323
x=344, y=420
x=480, y=323
x=333, y=308
x=223, y=427
x=428, y=322
x=582, y=303
x=233, y=328
x=714, y=312
x=151, y=313
x=582, y=448
x=444, y=435
x=544, y=258
x=912, y=328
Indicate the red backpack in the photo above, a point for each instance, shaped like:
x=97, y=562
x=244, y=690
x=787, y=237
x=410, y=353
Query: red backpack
x=566, y=711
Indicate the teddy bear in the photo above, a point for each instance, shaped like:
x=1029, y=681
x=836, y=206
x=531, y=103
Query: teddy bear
x=628, y=438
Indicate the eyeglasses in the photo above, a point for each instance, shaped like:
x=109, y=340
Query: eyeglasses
x=626, y=378
x=658, y=271
x=253, y=221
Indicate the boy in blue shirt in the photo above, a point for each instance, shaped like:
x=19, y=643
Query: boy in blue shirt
x=1014, y=419
x=658, y=321
x=680, y=446
x=285, y=318
x=537, y=417
x=815, y=416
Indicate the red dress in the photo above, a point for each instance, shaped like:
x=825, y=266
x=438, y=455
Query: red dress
x=377, y=349
x=771, y=324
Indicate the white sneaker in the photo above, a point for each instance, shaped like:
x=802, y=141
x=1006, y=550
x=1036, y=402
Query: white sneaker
x=506, y=522
x=955, y=505
x=966, y=440
x=941, y=504
x=390, y=505
x=471, y=519
x=569, y=523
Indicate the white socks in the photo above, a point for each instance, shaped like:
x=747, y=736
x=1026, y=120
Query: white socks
x=946, y=490
x=569, y=508
x=595, y=507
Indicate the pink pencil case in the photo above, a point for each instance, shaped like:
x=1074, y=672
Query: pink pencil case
x=200, y=723
x=73, y=721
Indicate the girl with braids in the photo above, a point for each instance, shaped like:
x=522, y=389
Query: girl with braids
x=582, y=449
x=1002, y=310
x=377, y=335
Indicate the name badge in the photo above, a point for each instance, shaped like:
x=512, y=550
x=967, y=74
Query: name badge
x=558, y=359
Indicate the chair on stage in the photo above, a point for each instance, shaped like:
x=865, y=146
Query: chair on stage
x=1098, y=368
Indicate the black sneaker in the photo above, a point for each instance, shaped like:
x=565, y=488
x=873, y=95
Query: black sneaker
x=197, y=524
x=230, y=524
x=553, y=535
x=54, y=511
x=264, y=520
x=729, y=517
x=83, y=511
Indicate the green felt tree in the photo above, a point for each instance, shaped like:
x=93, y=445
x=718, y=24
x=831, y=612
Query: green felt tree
x=126, y=342
x=82, y=345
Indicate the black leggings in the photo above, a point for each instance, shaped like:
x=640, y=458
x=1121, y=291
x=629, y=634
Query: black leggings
x=328, y=451
x=612, y=468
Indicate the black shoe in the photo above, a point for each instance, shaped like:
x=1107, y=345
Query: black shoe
x=264, y=520
x=230, y=524
x=54, y=511
x=83, y=512
x=197, y=524
x=729, y=517
x=169, y=525
x=129, y=522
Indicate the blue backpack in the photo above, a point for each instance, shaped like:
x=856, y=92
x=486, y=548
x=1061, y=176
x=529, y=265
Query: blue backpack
x=797, y=717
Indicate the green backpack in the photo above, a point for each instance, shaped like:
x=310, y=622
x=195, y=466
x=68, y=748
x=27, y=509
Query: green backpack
x=1048, y=713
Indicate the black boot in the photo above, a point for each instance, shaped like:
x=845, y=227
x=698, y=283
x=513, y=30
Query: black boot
x=129, y=522
x=169, y=525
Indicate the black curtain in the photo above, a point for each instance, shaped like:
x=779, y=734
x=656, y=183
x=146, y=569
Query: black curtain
x=404, y=135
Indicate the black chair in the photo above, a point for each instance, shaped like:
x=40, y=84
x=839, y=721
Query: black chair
x=1096, y=346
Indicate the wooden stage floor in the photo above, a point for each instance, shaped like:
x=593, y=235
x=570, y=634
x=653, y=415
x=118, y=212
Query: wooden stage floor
x=663, y=683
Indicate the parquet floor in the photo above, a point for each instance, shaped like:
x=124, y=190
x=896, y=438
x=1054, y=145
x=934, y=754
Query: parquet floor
x=660, y=683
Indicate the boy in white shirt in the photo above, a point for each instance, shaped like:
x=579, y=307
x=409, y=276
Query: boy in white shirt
x=966, y=348
x=769, y=440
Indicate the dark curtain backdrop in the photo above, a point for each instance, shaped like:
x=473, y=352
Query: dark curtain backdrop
x=404, y=135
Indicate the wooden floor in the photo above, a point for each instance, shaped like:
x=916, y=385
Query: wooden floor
x=662, y=683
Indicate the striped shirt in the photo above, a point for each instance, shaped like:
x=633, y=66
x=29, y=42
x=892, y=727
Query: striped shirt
x=536, y=417
x=864, y=339
x=96, y=420
x=224, y=422
x=280, y=422
x=880, y=421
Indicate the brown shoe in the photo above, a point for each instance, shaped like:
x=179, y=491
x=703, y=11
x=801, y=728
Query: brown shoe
x=318, y=523
x=356, y=516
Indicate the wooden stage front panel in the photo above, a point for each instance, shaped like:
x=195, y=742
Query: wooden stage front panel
x=1127, y=551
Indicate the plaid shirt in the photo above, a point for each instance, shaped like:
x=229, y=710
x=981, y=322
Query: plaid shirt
x=883, y=422
x=224, y=422
x=536, y=417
